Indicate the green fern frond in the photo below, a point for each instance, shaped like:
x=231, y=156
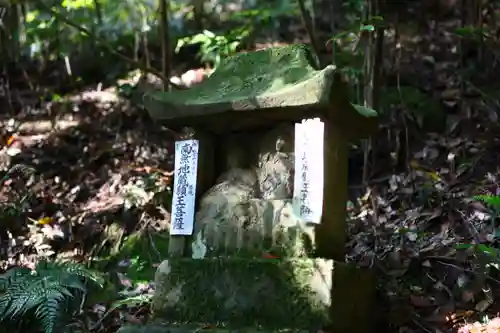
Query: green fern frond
x=70, y=270
x=28, y=295
x=48, y=290
x=18, y=297
x=16, y=273
x=48, y=313
x=20, y=304
x=4, y=304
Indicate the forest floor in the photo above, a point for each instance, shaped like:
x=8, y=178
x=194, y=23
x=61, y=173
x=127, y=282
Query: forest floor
x=96, y=173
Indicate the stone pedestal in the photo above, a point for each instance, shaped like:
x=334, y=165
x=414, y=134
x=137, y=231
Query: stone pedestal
x=241, y=293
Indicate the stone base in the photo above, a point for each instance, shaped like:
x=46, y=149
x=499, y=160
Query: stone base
x=264, y=293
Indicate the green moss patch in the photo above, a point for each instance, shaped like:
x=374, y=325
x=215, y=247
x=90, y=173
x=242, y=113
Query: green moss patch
x=240, y=292
x=263, y=73
x=138, y=256
x=249, y=90
x=145, y=251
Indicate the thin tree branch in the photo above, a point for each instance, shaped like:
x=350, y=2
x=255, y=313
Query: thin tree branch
x=310, y=31
x=165, y=41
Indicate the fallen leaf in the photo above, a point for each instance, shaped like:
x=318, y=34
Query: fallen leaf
x=270, y=256
x=45, y=220
x=483, y=305
x=10, y=140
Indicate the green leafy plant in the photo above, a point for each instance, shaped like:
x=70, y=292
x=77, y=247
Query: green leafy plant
x=49, y=293
x=133, y=301
x=474, y=33
x=487, y=256
x=493, y=201
x=215, y=47
x=493, y=204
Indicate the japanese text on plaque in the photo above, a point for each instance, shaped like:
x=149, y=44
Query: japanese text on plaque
x=308, y=180
x=183, y=200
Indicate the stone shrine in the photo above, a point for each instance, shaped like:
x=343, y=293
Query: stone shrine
x=252, y=261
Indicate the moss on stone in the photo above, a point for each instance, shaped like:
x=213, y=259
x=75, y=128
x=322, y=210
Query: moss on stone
x=257, y=88
x=240, y=292
x=255, y=80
